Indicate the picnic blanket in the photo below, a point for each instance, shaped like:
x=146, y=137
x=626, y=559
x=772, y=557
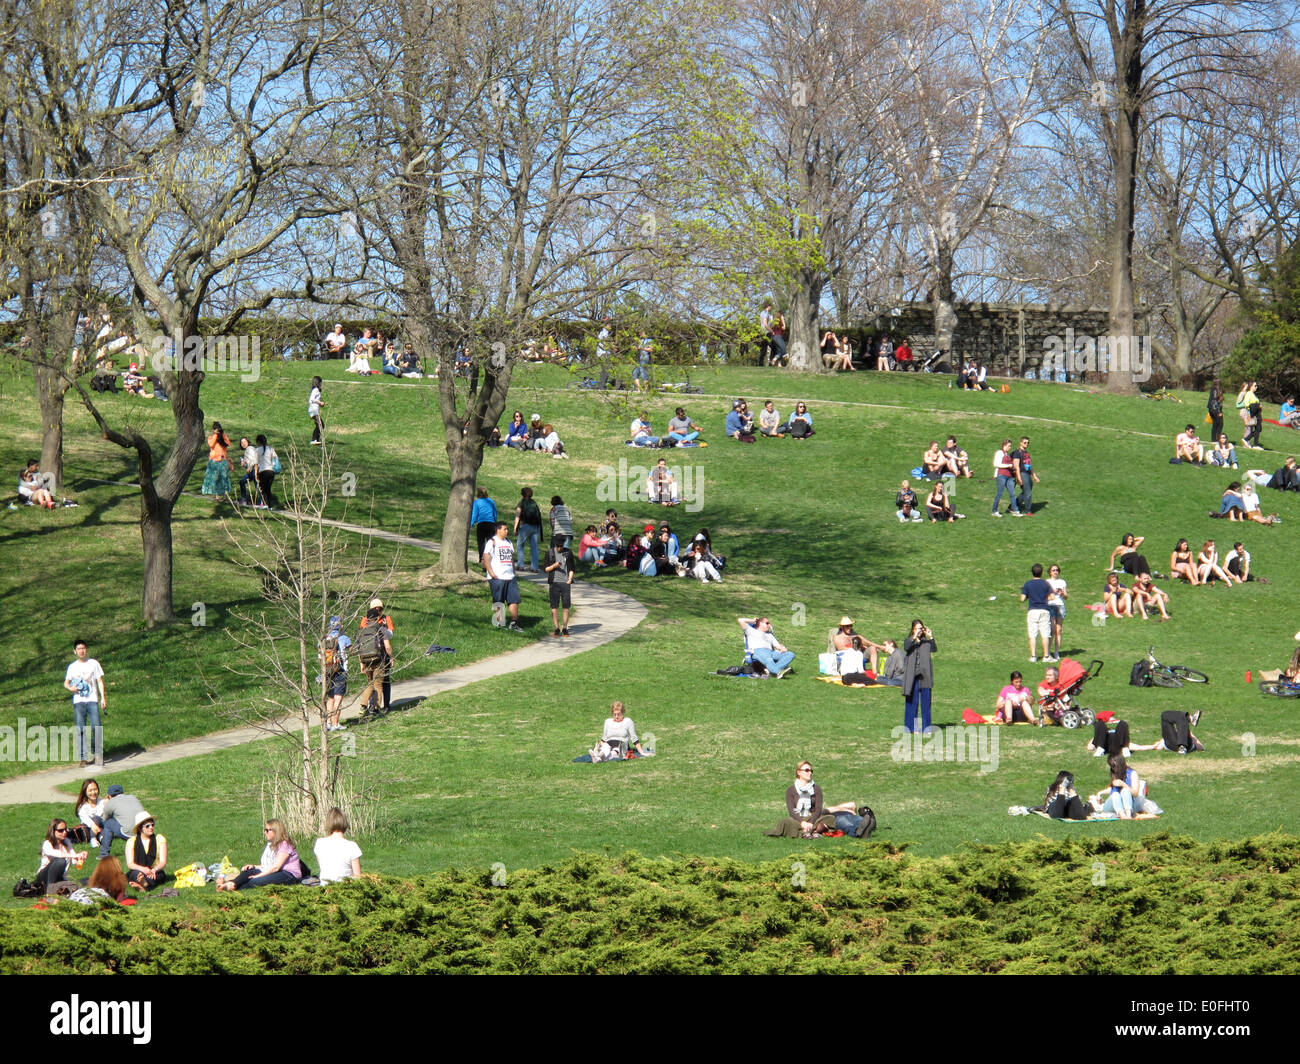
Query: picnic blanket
x=1093, y=819
x=836, y=681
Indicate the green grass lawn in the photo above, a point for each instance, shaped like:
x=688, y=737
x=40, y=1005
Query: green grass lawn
x=484, y=775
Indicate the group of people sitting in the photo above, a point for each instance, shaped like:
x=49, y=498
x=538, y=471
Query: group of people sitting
x=938, y=504
x=1240, y=499
x=857, y=660
x=394, y=361
x=973, y=376
x=533, y=435
x=654, y=551
x=740, y=422
x=682, y=432
x=36, y=488
x=100, y=819
x=837, y=352
x=947, y=461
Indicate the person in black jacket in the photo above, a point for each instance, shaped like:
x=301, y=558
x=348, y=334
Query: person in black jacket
x=918, y=677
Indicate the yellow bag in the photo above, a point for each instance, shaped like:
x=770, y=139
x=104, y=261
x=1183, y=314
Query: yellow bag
x=1209, y=420
x=228, y=869
x=194, y=875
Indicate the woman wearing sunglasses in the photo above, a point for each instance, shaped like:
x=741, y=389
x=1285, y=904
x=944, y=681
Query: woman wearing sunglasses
x=279, y=863
x=806, y=814
x=57, y=855
x=146, y=854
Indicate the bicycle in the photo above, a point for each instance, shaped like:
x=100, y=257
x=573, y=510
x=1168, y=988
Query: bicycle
x=1281, y=688
x=1161, y=393
x=1172, y=675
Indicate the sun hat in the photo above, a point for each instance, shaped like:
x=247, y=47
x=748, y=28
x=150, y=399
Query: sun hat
x=846, y=621
x=376, y=604
x=141, y=817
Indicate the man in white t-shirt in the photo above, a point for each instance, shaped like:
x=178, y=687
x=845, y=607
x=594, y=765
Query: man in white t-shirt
x=499, y=561
x=762, y=646
x=336, y=341
x=85, y=679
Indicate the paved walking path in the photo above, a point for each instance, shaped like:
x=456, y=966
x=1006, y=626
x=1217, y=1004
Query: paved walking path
x=600, y=616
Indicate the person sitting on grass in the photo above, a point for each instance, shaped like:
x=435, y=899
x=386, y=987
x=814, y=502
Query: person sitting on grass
x=57, y=855
x=1187, y=448
x=682, y=429
x=32, y=489
x=740, y=426
x=279, y=865
x=698, y=565
x=939, y=506
x=769, y=421
x=1062, y=802
x=801, y=423
x=1127, y=797
x=1287, y=477
x=906, y=498
x=1195, y=744
x=763, y=648
x=1288, y=414
x=661, y=485
x=146, y=854
x=1181, y=564
x=591, y=547
x=1208, y=568
x=1237, y=562
x=958, y=460
x=1146, y=596
x=1015, y=702
x=891, y=672
x=619, y=734
x=641, y=433
x=1224, y=453
x=934, y=464
x=337, y=856
x=1250, y=505
x=807, y=815
x=1115, y=598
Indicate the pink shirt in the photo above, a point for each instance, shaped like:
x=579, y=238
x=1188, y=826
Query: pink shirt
x=1015, y=694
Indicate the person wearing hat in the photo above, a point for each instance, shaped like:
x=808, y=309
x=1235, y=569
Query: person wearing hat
x=844, y=637
x=119, y=808
x=146, y=854
x=386, y=668
x=132, y=380
x=336, y=341
x=740, y=426
x=338, y=679
x=536, y=431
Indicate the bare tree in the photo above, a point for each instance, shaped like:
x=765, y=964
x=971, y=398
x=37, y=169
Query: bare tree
x=309, y=572
x=1133, y=57
x=191, y=131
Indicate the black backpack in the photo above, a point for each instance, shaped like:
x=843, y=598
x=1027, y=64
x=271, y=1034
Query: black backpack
x=1141, y=674
x=529, y=513
x=370, y=643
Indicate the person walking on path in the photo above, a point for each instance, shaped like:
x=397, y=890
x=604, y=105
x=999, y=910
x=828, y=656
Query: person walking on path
x=528, y=527
x=387, y=622
x=499, y=561
x=85, y=679
x=918, y=677
x=559, y=575
x=375, y=650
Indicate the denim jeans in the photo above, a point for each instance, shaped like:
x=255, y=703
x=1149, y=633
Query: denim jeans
x=772, y=661
x=84, y=713
x=1026, y=499
x=1007, y=484
x=919, y=698
x=112, y=830
x=252, y=877
x=847, y=822
x=527, y=534
x=682, y=437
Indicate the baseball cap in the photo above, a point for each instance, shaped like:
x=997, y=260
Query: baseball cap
x=115, y=790
x=649, y=528
x=334, y=622
x=376, y=604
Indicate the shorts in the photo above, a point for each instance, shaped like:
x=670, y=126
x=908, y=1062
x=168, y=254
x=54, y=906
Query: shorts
x=339, y=685
x=640, y=373
x=561, y=595
x=506, y=591
x=1040, y=623
x=1057, y=612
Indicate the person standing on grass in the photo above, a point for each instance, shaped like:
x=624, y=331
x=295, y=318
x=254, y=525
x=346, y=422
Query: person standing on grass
x=216, y=478
x=641, y=371
x=248, y=462
x=1025, y=476
x=267, y=461
x=85, y=679
x=1056, y=605
x=1036, y=593
x=499, y=561
x=918, y=677
x=314, y=403
x=559, y=575
x=528, y=527
x=1004, y=472
x=1214, y=407
x=483, y=518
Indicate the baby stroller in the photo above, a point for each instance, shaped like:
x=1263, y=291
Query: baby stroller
x=1058, y=705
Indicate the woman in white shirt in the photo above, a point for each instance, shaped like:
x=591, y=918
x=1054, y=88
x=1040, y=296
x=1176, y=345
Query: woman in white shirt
x=56, y=855
x=620, y=733
x=267, y=463
x=90, y=811
x=339, y=858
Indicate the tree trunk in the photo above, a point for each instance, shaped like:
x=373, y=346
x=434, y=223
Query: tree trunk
x=804, y=350
x=50, y=392
x=156, y=533
x=1120, y=375
x=945, y=317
